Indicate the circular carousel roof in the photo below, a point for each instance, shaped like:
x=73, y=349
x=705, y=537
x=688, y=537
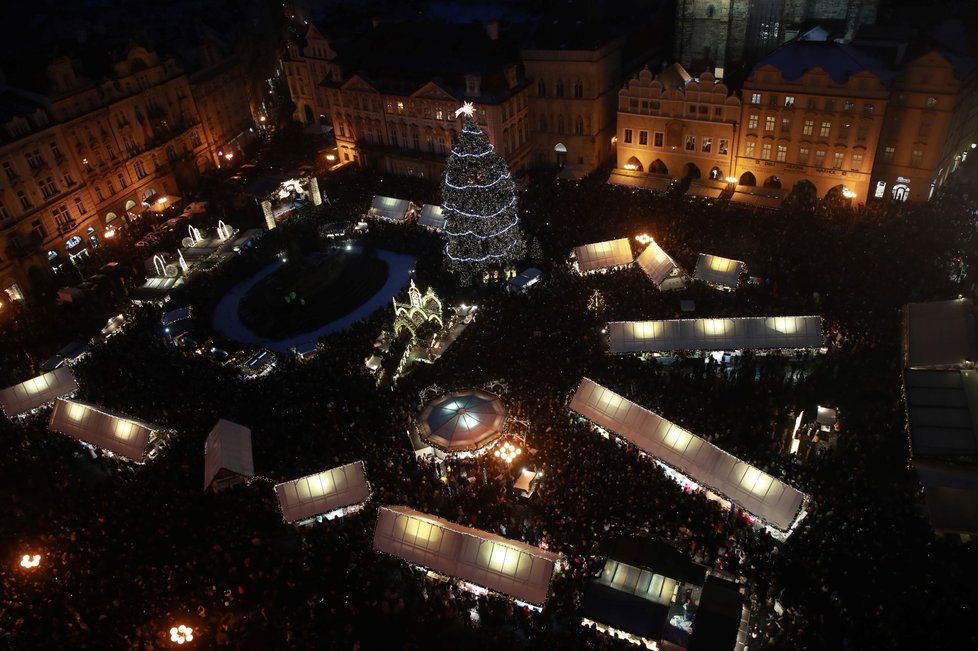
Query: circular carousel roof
x=463, y=421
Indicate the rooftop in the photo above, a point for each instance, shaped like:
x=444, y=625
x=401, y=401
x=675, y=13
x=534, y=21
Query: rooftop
x=840, y=61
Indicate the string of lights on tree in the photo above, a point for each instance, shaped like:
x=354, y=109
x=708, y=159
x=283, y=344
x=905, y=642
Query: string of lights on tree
x=482, y=230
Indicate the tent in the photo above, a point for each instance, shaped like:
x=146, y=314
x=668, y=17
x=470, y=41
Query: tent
x=526, y=279
x=463, y=421
x=603, y=255
x=33, y=393
x=388, y=208
x=433, y=217
x=340, y=489
x=525, y=482
x=227, y=456
x=657, y=264
x=120, y=435
x=942, y=408
x=505, y=566
x=723, y=273
x=742, y=333
x=758, y=493
x=940, y=335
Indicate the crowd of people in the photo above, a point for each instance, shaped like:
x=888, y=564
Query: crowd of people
x=129, y=551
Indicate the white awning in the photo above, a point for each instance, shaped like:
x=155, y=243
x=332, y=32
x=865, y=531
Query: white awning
x=721, y=272
x=433, y=216
x=656, y=263
x=603, y=255
x=37, y=391
x=227, y=455
x=389, y=208
x=115, y=433
x=323, y=492
x=940, y=335
x=757, y=492
x=742, y=333
x=485, y=559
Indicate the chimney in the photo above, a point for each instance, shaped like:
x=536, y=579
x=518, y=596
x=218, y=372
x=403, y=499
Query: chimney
x=492, y=29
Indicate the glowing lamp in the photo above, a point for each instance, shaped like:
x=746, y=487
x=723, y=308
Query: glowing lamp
x=109, y=233
x=631, y=166
x=30, y=561
x=228, y=156
x=181, y=634
x=161, y=201
x=644, y=238
x=507, y=452
x=331, y=157
x=731, y=179
x=848, y=194
x=261, y=119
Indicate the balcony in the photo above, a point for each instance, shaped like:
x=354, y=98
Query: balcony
x=65, y=226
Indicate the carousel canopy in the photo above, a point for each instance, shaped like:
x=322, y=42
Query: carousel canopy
x=486, y=559
x=37, y=391
x=603, y=255
x=742, y=333
x=940, y=335
x=463, y=420
x=656, y=263
x=722, y=272
x=389, y=208
x=757, y=492
x=118, y=434
x=318, y=494
x=433, y=216
x=227, y=454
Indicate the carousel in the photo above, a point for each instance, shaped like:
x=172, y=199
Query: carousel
x=462, y=423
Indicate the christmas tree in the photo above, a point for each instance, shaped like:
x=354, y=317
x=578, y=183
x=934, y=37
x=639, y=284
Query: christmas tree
x=483, y=229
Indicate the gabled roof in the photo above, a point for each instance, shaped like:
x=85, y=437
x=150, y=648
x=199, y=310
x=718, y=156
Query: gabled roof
x=839, y=61
x=33, y=393
x=227, y=448
x=323, y=492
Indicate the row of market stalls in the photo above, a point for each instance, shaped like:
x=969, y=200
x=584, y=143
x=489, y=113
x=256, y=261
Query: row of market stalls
x=400, y=211
x=748, y=196
x=940, y=382
x=697, y=462
x=771, y=334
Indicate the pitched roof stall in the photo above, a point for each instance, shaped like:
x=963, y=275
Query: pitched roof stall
x=741, y=333
x=324, y=492
x=40, y=390
x=123, y=436
x=603, y=255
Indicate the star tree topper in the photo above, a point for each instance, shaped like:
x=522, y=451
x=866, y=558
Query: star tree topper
x=465, y=108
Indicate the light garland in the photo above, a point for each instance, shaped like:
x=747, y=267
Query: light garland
x=448, y=206
x=472, y=186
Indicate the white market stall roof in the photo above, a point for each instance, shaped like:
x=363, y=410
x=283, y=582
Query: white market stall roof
x=37, y=391
x=768, y=202
x=740, y=333
x=704, y=191
x=603, y=255
x=757, y=492
x=641, y=181
x=940, y=335
x=228, y=449
x=433, y=216
x=506, y=566
x=389, y=208
x=656, y=263
x=722, y=272
x=323, y=492
x=118, y=434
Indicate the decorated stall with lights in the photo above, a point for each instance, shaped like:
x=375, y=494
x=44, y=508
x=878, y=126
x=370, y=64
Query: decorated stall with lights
x=697, y=462
x=113, y=433
x=324, y=495
x=661, y=269
x=721, y=273
x=761, y=334
x=390, y=209
x=280, y=197
x=602, y=256
x=462, y=423
x=478, y=559
x=38, y=391
x=227, y=456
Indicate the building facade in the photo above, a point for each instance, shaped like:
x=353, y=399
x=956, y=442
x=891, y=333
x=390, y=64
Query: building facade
x=812, y=128
x=306, y=64
x=674, y=126
x=573, y=102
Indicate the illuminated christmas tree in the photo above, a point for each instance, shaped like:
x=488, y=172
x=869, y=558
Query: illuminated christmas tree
x=483, y=229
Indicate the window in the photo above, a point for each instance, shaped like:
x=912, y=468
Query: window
x=56, y=152
x=579, y=129
x=880, y=189
x=803, y=155
x=122, y=180
x=9, y=171
x=578, y=89
x=869, y=109
x=99, y=194
x=848, y=105
x=888, y=153
x=195, y=138
x=48, y=188
x=723, y=147
x=839, y=159
x=824, y=129
x=916, y=158
x=34, y=159
x=752, y=122
x=62, y=218
x=811, y=103
x=692, y=109
x=808, y=127
x=707, y=146
x=643, y=138
x=749, y=149
x=658, y=138
x=844, y=131
x=390, y=107
x=755, y=98
x=782, y=152
x=628, y=137
x=924, y=129
x=68, y=179
x=37, y=228
x=931, y=102
x=789, y=101
x=857, y=162
x=819, y=158
x=541, y=88
x=766, y=151
x=400, y=108
x=80, y=206
x=785, y=125
x=769, y=123
x=829, y=105
x=4, y=213
x=862, y=132
x=25, y=203
x=140, y=169
x=690, y=143
x=560, y=88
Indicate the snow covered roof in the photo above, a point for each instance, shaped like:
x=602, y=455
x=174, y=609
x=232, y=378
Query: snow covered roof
x=741, y=333
x=505, y=566
x=37, y=391
x=323, y=492
x=603, y=255
x=228, y=449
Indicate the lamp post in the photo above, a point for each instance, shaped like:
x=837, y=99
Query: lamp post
x=30, y=561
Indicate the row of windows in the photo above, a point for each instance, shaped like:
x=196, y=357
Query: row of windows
x=559, y=89
x=804, y=156
x=808, y=127
x=828, y=103
x=560, y=126
x=689, y=144
x=692, y=109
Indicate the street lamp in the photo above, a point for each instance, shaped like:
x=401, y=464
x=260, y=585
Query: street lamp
x=732, y=180
x=30, y=561
x=848, y=194
x=644, y=238
x=507, y=452
x=181, y=634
